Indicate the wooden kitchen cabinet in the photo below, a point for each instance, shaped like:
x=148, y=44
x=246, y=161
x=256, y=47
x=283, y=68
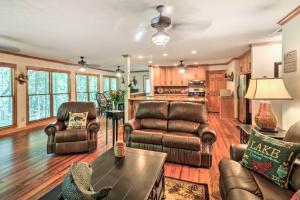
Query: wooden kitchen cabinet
x=170, y=76
x=226, y=107
x=245, y=63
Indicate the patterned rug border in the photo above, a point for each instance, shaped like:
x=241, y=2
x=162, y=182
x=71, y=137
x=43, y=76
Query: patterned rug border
x=204, y=184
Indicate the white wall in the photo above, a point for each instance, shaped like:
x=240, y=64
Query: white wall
x=291, y=41
x=22, y=62
x=139, y=76
x=263, y=59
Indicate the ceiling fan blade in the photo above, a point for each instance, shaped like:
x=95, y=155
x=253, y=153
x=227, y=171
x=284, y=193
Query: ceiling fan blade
x=141, y=31
x=92, y=65
x=9, y=49
x=182, y=26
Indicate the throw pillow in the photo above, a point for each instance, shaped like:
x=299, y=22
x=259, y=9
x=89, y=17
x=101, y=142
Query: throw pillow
x=270, y=157
x=77, y=120
x=296, y=196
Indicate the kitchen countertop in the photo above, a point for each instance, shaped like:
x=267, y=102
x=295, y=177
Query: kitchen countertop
x=169, y=98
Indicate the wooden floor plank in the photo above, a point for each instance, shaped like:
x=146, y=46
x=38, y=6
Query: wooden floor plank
x=27, y=172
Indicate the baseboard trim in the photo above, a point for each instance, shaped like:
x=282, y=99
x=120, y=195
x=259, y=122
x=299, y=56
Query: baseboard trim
x=30, y=126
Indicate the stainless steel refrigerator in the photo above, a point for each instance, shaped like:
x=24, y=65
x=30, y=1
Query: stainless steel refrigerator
x=244, y=105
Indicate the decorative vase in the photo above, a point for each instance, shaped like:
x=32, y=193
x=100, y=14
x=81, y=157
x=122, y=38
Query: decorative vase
x=265, y=118
x=113, y=105
x=120, y=149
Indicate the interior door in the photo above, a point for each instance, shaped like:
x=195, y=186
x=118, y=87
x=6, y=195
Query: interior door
x=215, y=81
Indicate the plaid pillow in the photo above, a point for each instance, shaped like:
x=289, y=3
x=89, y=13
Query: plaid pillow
x=296, y=196
x=77, y=120
x=270, y=157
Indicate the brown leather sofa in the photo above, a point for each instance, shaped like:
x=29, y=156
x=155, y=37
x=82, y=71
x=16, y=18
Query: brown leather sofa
x=61, y=140
x=179, y=129
x=237, y=182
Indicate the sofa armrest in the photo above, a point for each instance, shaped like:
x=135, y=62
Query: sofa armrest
x=51, y=129
x=237, y=151
x=93, y=126
x=207, y=134
x=129, y=126
x=133, y=124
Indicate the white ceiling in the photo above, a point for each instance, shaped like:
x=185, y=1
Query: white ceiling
x=104, y=30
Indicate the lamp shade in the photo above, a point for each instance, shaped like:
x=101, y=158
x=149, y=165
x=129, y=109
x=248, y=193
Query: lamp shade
x=267, y=89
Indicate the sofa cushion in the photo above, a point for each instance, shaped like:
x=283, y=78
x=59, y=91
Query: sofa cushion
x=295, y=175
x=269, y=190
x=152, y=109
x=181, y=140
x=195, y=112
x=234, y=176
x=148, y=136
x=270, y=157
x=160, y=124
x=237, y=194
x=71, y=135
x=183, y=126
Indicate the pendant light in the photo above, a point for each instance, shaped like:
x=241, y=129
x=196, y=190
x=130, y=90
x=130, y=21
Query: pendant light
x=118, y=72
x=181, y=67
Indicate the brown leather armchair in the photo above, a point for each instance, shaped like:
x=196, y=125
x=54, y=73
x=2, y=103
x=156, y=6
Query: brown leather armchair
x=179, y=129
x=237, y=182
x=61, y=140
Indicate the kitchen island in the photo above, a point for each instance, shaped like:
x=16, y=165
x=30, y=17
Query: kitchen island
x=134, y=102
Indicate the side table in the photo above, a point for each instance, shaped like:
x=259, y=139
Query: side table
x=245, y=131
x=115, y=116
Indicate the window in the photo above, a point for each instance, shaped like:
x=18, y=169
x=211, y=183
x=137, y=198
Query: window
x=86, y=87
x=81, y=88
x=109, y=83
x=60, y=91
x=7, y=98
x=43, y=100
x=146, y=84
x=38, y=95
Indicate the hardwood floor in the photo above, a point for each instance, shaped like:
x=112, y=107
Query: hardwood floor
x=27, y=172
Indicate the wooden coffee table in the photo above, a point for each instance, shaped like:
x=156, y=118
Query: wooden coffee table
x=139, y=175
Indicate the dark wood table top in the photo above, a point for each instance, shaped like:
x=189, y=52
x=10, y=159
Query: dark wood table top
x=131, y=177
x=247, y=129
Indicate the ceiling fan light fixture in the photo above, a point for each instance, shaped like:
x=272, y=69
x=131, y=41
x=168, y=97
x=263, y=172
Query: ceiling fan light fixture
x=181, y=70
x=181, y=67
x=160, y=38
x=118, y=72
x=82, y=69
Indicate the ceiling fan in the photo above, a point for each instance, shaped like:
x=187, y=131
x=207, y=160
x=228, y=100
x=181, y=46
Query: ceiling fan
x=163, y=23
x=83, y=65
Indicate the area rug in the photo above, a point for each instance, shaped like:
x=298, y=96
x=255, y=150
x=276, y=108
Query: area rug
x=183, y=190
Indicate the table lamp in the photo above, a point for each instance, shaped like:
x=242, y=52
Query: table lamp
x=266, y=89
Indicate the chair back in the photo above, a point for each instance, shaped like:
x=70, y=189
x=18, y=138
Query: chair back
x=76, y=107
x=293, y=134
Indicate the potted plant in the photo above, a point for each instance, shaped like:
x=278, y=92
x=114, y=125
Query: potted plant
x=117, y=96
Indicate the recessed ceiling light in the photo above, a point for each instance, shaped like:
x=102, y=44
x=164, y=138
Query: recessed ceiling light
x=175, y=64
x=195, y=63
x=165, y=54
x=194, y=52
x=150, y=61
x=140, y=57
